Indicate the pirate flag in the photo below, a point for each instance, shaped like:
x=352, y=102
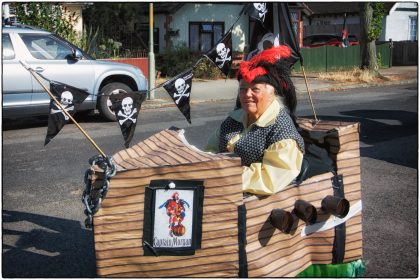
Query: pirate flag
x=126, y=106
x=257, y=11
x=70, y=98
x=179, y=88
x=269, y=40
x=344, y=34
x=286, y=35
x=221, y=54
x=287, y=32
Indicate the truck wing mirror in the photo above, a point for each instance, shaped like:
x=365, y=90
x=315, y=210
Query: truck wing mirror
x=77, y=54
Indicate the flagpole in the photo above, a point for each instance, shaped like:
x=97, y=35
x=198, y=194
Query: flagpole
x=309, y=93
x=65, y=112
x=152, y=70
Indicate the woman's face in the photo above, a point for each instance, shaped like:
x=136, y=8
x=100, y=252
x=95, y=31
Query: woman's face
x=255, y=98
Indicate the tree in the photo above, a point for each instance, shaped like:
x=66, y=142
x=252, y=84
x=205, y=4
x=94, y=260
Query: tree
x=371, y=15
x=119, y=21
x=48, y=16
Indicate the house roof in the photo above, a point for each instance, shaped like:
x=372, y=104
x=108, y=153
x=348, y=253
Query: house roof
x=339, y=8
x=172, y=7
x=166, y=7
x=300, y=6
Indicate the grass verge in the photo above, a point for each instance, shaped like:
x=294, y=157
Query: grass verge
x=355, y=75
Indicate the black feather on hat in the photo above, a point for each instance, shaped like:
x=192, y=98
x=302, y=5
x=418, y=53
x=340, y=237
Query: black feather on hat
x=272, y=66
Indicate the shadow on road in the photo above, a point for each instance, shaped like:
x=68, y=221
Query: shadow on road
x=54, y=247
x=386, y=133
x=42, y=121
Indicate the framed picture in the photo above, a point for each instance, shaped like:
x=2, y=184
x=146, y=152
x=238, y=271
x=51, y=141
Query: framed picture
x=173, y=212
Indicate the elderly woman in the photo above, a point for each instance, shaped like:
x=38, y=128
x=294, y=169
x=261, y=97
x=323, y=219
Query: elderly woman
x=262, y=132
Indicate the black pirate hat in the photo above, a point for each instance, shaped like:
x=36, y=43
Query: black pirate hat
x=272, y=66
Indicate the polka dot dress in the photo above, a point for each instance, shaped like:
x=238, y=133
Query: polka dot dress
x=250, y=147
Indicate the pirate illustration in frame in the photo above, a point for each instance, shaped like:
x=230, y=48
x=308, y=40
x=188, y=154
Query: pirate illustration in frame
x=175, y=209
x=173, y=217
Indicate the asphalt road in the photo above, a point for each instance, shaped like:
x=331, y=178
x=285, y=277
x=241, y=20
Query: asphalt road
x=43, y=221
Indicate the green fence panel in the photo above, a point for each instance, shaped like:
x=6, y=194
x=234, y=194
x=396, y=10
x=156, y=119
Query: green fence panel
x=383, y=53
x=328, y=58
x=314, y=59
x=343, y=58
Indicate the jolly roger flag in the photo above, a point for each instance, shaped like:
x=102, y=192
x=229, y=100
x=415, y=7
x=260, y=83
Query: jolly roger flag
x=179, y=88
x=287, y=35
x=70, y=98
x=126, y=106
x=221, y=54
x=287, y=32
x=257, y=11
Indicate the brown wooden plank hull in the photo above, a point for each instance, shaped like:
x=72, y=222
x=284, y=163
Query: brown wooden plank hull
x=118, y=225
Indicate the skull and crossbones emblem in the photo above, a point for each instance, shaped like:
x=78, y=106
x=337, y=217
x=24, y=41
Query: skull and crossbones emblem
x=223, y=53
x=262, y=10
x=66, y=100
x=127, y=111
x=182, y=89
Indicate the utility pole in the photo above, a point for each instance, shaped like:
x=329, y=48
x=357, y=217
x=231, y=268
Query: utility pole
x=151, y=94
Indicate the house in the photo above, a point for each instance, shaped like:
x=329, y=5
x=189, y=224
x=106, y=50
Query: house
x=400, y=23
x=328, y=18
x=74, y=10
x=200, y=25
x=8, y=14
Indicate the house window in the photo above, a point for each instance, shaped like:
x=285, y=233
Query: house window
x=203, y=35
x=413, y=28
x=139, y=39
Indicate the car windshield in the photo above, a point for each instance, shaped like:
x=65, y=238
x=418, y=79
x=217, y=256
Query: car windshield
x=353, y=38
x=323, y=39
x=86, y=55
x=320, y=39
x=48, y=46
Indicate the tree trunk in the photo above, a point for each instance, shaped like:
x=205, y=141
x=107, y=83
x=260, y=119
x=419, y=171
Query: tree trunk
x=367, y=46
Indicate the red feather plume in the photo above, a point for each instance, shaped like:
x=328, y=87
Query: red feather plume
x=272, y=55
x=248, y=69
x=249, y=73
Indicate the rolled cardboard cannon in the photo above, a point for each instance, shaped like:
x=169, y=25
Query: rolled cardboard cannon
x=225, y=234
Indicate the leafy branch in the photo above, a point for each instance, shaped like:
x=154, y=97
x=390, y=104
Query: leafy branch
x=375, y=28
x=49, y=16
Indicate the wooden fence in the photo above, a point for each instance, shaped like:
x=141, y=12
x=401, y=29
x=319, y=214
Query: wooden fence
x=405, y=53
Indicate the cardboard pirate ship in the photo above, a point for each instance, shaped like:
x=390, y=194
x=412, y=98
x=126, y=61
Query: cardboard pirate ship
x=144, y=230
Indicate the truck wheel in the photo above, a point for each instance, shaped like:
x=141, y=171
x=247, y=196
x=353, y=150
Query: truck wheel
x=104, y=105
